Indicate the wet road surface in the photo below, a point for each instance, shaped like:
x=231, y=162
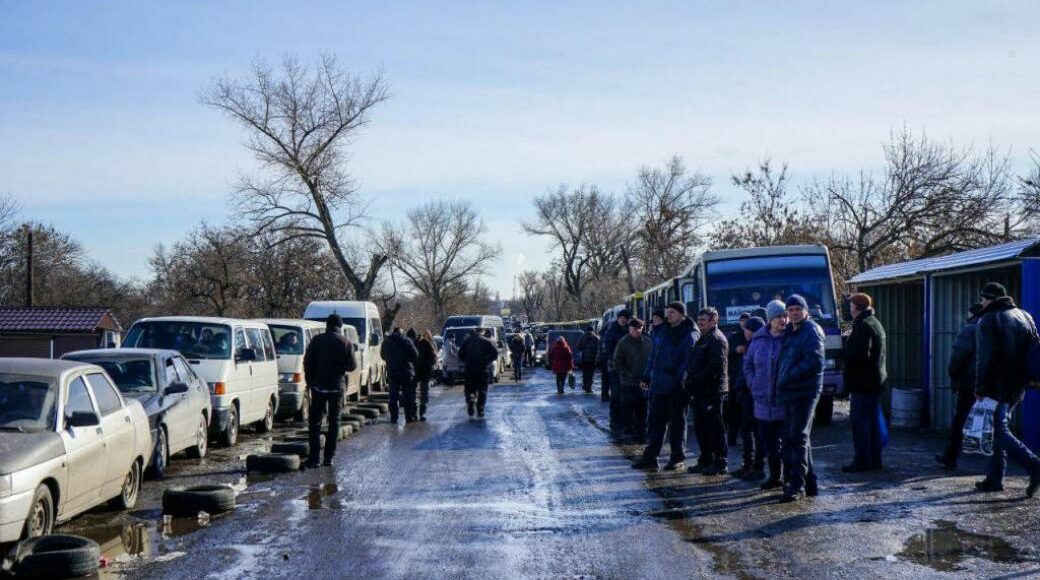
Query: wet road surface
x=538, y=490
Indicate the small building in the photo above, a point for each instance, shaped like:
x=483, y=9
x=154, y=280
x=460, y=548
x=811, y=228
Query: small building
x=923, y=303
x=49, y=332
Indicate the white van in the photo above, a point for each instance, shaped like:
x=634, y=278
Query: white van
x=291, y=339
x=365, y=318
x=235, y=357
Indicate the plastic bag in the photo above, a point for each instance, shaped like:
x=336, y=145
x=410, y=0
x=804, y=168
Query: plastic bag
x=978, y=429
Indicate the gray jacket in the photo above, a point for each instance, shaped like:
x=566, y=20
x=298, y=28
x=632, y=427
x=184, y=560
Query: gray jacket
x=630, y=358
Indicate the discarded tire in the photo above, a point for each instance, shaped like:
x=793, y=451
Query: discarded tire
x=379, y=396
x=188, y=502
x=354, y=417
x=381, y=407
x=272, y=463
x=56, y=556
x=292, y=448
x=305, y=439
x=366, y=412
x=345, y=431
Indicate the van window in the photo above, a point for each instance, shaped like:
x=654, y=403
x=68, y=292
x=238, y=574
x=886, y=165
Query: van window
x=195, y=340
x=268, y=344
x=240, y=341
x=106, y=395
x=256, y=341
x=377, y=329
x=287, y=339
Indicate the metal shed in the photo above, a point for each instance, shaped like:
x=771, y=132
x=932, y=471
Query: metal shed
x=923, y=303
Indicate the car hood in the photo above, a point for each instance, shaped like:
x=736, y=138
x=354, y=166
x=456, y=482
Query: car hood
x=23, y=450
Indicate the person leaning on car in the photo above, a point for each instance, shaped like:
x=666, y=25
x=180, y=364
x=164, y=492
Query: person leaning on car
x=328, y=359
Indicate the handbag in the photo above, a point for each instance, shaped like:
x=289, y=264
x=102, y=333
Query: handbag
x=978, y=428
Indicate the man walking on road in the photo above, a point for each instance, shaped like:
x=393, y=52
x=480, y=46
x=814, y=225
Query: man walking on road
x=424, y=366
x=630, y=358
x=400, y=356
x=865, y=376
x=608, y=392
x=707, y=385
x=588, y=346
x=517, y=349
x=799, y=383
x=1004, y=336
x=328, y=359
x=962, y=377
x=477, y=353
x=529, y=353
x=663, y=377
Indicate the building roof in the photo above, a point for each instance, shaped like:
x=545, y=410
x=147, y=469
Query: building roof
x=56, y=319
x=42, y=366
x=967, y=259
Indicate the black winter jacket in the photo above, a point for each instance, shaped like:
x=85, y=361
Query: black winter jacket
x=707, y=370
x=735, y=360
x=476, y=353
x=426, y=360
x=962, y=359
x=1004, y=335
x=328, y=359
x=608, y=342
x=400, y=355
x=866, y=371
x=588, y=345
x=517, y=346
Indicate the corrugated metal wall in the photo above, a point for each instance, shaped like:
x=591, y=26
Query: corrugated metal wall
x=953, y=294
x=900, y=308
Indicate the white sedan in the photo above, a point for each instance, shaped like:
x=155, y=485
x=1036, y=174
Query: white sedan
x=68, y=442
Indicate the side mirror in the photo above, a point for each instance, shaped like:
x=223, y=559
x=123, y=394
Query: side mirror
x=176, y=389
x=82, y=419
x=373, y=339
x=246, y=355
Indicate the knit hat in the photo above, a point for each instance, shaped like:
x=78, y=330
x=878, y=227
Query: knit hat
x=862, y=301
x=754, y=323
x=334, y=321
x=411, y=334
x=775, y=308
x=993, y=290
x=659, y=312
x=797, y=300
x=635, y=323
x=745, y=315
x=625, y=313
x=678, y=307
x=760, y=312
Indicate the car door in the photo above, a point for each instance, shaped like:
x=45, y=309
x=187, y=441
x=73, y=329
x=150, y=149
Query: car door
x=85, y=449
x=118, y=432
x=242, y=383
x=259, y=394
x=197, y=402
x=179, y=422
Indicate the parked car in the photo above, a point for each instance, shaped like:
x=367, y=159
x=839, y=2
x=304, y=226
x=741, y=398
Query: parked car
x=468, y=321
x=68, y=442
x=235, y=357
x=364, y=317
x=175, y=399
x=291, y=338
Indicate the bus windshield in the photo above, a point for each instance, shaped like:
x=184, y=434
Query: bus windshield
x=744, y=284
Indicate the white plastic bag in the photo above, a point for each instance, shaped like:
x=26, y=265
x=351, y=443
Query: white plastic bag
x=978, y=429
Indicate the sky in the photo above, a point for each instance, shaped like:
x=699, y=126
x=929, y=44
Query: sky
x=102, y=134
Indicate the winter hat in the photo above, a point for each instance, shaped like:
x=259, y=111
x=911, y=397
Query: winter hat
x=659, y=312
x=797, y=300
x=862, y=301
x=745, y=315
x=760, y=312
x=625, y=313
x=993, y=290
x=411, y=334
x=775, y=308
x=678, y=307
x=635, y=323
x=754, y=323
x=334, y=321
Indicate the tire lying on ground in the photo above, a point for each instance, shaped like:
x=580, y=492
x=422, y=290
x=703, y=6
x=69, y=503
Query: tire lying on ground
x=353, y=424
x=354, y=417
x=55, y=556
x=298, y=448
x=188, y=502
x=381, y=407
x=366, y=412
x=379, y=396
x=272, y=462
x=345, y=431
x=305, y=439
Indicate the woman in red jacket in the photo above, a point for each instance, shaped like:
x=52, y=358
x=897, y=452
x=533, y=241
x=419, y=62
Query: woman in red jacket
x=561, y=360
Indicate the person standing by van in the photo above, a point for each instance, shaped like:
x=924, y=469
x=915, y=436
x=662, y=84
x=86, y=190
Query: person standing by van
x=400, y=356
x=477, y=354
x=424, y=369
x=328, y=359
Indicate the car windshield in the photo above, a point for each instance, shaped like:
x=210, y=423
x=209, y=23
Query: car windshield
x=132, y=376
x=458, y=334
x=192, y=339
x=27, y=403
x=742, y=285
x=287, y=339
x=457, y=321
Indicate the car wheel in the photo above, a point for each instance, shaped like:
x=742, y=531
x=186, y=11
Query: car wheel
x=304, y=413
x=127, y=497
x=201, y=440
x=229, y=436
x=57, y=556
x=160, y=455
x=267, y=423
x=41, y=514
x=212, y=499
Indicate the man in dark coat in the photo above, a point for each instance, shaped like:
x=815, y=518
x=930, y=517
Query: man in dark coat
x=865, y=376
x=733, y=409
x=328, y=359
x=517, y=350
x=588, y=346
x=424, y=366
x=962, y=377
x=707, y=384
x=477, y=353
x=400, y=356
x=1003, y=338
x=630, y=358
x=608, y=391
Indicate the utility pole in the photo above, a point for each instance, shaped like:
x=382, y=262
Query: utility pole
x=28, y=265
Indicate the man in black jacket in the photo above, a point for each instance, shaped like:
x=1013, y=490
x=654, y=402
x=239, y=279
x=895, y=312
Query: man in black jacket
x=588, y=346
x=477, y=353
x=962, y=377
x=610, y=387
x=328, y=359
x=865, y=376
x=707, y=384
x=400, y=355
x=1003, y=338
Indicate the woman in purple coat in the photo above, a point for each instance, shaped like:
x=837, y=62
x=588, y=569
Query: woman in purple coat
x=760, y=373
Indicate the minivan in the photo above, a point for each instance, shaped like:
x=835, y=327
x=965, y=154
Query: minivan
x=365, y=318
x=235, y=357
x=451, y=366
x=291, y=339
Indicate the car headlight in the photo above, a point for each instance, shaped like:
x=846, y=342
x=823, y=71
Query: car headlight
x=6, y=485
x=285, y=378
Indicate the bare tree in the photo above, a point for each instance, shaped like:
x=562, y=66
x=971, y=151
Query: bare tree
x=441, y=250
x=532, y=294
x=770, y=215
x=9, y=208
x=558, y=302
x=206, y=272
x=1029, y=193
x=300, y=121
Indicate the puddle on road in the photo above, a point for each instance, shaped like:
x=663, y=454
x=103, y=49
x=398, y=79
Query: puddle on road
x=140, y=538
x=945, y=546
x=317, y=494
x=677, y=514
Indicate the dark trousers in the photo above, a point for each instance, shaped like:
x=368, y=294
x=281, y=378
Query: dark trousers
x=518, y=365
x=476, y=389
x=1006, y=444
x=772, y=434
x=618, y=420
x=323, y=402
x=965, y=401
x=633, y=405
x=709, y=429
x=604, y=384
x=753, y=446
x=666, y=414
x=865, y=419
x=561, y=380
x=424, y=396
x=588, y=375
x=798, y=465
x=402, y=394
x=732, y=416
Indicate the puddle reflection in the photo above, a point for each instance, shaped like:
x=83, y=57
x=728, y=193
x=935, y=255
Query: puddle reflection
x=944, y=547
x=317, y=494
